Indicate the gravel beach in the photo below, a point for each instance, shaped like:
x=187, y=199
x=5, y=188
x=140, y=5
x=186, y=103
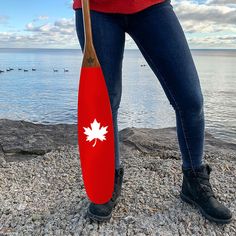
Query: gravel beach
x=42, y=190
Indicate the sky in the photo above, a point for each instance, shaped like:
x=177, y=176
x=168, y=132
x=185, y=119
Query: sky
x=50, y=24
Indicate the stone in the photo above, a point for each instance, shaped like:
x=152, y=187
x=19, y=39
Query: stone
x=42, y=192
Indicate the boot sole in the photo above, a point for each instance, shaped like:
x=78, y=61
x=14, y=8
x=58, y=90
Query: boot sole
x=190, y=201
x=100, y=218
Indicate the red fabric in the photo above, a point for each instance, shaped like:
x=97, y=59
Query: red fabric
x=118, y=6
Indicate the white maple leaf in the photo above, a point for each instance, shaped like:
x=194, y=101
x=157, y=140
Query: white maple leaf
x=95, y=132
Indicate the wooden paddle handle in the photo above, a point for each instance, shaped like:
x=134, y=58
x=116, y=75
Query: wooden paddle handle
x=90, y=58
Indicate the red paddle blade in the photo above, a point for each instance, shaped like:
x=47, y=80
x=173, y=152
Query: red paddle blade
x=96, y=135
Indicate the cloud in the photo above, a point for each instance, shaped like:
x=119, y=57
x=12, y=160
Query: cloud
x=215, y=42
x=43, y=17
x=39, y=40
x=61, y=26
x=65, y=23
x=221, y=2
x=212, y=19
x=209, y=24
x=59, y=34
x=207, y=13
x=42, y=28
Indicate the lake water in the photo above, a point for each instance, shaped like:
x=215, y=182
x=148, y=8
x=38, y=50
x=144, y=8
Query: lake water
x=44, y=96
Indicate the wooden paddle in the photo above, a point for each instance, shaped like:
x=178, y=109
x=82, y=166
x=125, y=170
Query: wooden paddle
x=95, y=124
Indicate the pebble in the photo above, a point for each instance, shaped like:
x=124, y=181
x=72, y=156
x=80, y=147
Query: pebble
x=49, y=199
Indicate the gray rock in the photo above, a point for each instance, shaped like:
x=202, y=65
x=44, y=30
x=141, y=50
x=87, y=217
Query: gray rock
x=21, y=140
x=2, y=158
x=45, y=195
x=160, y=141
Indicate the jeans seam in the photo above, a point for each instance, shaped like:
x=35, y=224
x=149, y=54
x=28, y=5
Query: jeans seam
x=178, y=109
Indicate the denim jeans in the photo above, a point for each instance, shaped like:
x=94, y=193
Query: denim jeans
x=160, y=38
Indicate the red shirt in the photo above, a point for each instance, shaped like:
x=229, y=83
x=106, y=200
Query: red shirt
x=118, y=6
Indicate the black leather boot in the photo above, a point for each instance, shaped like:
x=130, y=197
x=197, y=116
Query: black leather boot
x=197, y=190
x=102, y=212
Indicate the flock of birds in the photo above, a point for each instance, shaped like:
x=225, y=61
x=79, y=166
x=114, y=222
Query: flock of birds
x=26, y=70
x=33, y=69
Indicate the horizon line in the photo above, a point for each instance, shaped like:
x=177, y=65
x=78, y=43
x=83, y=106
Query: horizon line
x=124, y=49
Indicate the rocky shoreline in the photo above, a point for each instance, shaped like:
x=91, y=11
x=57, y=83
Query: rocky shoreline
x=42, y=191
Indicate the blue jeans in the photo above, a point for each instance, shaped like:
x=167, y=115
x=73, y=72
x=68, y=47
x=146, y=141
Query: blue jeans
x=161, y=40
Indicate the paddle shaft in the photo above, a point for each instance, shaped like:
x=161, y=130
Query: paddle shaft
x=90, y=58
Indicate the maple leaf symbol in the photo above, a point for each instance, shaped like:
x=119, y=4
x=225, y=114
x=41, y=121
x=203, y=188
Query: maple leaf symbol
x=95, y=132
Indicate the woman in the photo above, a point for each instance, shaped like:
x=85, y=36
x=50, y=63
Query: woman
x=158, y=34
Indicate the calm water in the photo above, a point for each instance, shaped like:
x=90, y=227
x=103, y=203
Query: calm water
x=44, y=96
